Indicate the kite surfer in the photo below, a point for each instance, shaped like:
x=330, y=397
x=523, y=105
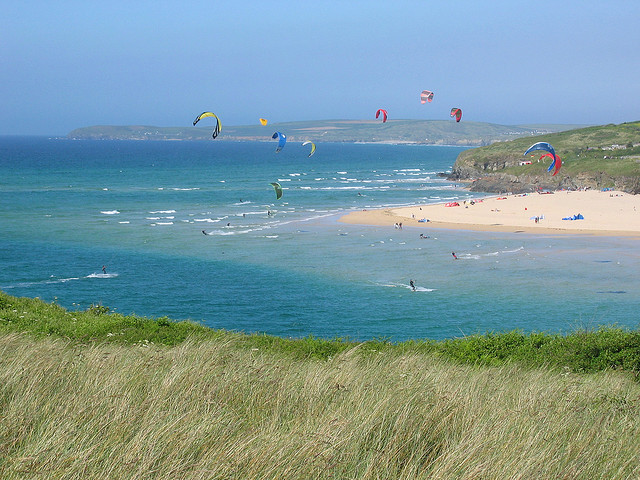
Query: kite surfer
x=413, y=285
x=454, y=255
x=104, y=269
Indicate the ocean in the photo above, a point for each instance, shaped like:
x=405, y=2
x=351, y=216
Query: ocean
x=193, y=230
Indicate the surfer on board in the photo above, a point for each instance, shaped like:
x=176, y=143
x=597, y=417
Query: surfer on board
x=454, y=255
x=413, y=285
x=104, y=269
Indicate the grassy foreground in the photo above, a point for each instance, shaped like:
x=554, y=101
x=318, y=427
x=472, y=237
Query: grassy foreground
x=95, y=395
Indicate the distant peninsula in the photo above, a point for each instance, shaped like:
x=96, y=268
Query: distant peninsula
x=422, y=132
x=606, y=156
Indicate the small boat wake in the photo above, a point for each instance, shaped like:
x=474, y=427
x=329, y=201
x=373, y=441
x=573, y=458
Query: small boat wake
x=402, y=285
x=102, y=275
x=54, y=280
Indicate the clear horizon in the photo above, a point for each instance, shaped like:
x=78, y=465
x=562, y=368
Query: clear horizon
x=85, y=63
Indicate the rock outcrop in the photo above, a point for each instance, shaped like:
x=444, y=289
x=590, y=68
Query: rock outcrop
x=503, y=183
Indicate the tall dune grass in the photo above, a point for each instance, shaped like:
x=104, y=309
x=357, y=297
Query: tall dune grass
x=605, y=348
x=213, y=409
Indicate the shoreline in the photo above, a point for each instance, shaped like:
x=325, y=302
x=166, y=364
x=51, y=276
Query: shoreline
x=605, y=213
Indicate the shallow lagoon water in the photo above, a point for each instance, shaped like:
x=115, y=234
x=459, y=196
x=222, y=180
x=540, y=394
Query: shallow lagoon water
x=287, y=267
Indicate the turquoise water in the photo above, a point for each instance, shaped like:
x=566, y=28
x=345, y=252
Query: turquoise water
x=286, y=267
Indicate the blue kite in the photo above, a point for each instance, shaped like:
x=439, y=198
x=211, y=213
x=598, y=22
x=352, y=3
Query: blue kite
x=547, y=147
x=282, y=139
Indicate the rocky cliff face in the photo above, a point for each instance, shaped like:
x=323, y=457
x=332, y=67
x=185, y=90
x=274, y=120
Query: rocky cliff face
x=503, y=183
x=487, y=177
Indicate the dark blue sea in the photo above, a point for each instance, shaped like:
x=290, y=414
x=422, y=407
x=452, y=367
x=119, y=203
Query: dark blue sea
x=286, y=267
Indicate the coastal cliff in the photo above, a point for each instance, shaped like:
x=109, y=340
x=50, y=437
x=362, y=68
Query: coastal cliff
x=594, y=157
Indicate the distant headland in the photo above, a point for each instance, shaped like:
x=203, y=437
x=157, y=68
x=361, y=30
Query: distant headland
x=421, y=132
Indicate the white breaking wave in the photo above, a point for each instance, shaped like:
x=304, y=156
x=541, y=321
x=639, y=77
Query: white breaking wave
x=207, y=220
x=414, y=180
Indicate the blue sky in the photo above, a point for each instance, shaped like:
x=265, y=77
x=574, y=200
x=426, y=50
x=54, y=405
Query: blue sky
x=78, y=63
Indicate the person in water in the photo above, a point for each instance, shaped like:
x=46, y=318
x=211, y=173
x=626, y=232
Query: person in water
x=413, y=285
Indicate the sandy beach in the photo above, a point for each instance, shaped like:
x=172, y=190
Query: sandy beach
x=610, y=213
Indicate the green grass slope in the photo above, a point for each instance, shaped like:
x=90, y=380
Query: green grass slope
x=595, y=157
x=581, y=351
x=95, y=395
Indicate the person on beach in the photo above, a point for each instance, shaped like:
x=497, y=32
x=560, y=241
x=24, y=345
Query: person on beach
x=413, y=285
x=454, y=255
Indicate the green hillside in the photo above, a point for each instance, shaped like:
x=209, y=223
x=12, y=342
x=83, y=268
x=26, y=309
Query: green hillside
x=430, y=132
x=593, y=157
